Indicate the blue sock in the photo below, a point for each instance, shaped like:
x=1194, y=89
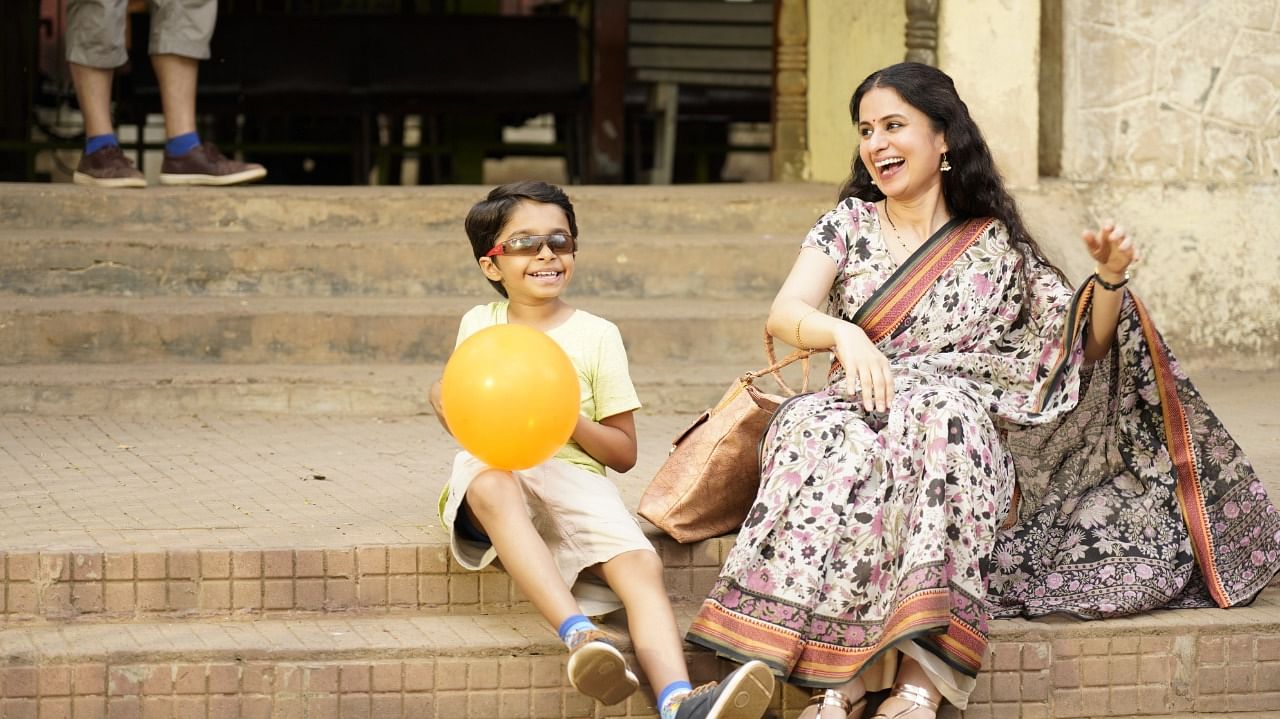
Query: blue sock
x=97, y=142
x=181, y=145
x=675, y=690
x=573, y=625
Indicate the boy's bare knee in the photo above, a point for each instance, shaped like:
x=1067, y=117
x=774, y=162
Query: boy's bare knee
x=494, y=491
x=637, y=562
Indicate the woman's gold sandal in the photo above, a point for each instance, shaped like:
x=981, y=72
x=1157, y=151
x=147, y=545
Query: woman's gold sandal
x=918, y=696
x=836, y=699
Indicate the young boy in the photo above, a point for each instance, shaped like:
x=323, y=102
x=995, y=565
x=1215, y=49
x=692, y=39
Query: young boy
x=563, y=518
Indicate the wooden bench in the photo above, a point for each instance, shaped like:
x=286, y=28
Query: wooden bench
x=710, y=58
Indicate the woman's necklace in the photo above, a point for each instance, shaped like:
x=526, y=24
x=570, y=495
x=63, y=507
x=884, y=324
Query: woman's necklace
x=896, y=234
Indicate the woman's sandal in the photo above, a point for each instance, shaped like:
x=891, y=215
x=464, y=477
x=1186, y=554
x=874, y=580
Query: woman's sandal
x=918, y=696
x=836, y=699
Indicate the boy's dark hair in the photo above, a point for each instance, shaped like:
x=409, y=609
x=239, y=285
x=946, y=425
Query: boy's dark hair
x=487, y=217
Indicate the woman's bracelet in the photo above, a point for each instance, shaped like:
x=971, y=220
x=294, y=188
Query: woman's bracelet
x=805, y=316
x=1108, y=285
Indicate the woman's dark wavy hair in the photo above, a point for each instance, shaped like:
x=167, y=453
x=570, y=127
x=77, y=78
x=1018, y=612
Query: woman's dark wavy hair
x=973, y=187
x=487, y=217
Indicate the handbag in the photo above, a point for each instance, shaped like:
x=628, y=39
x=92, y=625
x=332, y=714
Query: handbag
x=706, y=485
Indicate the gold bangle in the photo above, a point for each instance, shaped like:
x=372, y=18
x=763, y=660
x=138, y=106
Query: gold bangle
x=799, y=344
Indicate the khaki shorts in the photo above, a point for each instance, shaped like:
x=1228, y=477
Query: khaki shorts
x=579, y=514
x=95, y=30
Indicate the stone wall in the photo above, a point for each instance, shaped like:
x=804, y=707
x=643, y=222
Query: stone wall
x=1171, y=90
x=1208, y=273
x=1165, y=116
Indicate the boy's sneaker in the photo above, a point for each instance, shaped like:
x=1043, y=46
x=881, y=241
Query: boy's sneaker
x=108, y=167
x=744, y=694
x=206, y=165
x=598, y=669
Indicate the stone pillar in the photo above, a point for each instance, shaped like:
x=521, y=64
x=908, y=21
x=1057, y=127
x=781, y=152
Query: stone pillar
x=790, y=111
x=848, y=40
x=991, y=49
x=922, y=31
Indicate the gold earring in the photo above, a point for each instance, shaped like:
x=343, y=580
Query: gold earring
x=945, y=166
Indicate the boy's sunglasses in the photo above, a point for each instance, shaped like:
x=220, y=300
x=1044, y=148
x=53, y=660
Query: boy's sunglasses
x=560, y=244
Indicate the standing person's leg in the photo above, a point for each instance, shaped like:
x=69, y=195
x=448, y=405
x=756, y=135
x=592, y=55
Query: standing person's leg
x=177, y=76
x=181, y=31
x=93, y=92
x=636, y=577
x=95, y=47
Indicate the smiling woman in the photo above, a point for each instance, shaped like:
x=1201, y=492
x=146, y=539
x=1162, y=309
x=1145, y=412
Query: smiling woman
x=977, y=408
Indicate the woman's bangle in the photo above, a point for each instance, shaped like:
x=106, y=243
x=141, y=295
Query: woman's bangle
x=1108, y=285
x=799, y=322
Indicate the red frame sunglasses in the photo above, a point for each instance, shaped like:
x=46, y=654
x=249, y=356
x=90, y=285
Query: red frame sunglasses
x=559, y=242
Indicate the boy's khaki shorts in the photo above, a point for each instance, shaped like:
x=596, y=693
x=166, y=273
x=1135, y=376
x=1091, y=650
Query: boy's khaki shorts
x=579, y=514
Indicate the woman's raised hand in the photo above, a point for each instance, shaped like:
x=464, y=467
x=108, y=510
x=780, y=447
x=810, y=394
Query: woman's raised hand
x=1112, y=249
x=866, y=368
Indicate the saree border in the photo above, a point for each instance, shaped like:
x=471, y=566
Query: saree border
x=1180, y=444
x=893, y=301
x=924, y=617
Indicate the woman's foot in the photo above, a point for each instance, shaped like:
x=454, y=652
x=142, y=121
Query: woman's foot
x=845, y=702
x=908, y=701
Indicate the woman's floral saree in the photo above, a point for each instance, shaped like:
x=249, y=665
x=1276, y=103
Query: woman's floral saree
x=873, y=528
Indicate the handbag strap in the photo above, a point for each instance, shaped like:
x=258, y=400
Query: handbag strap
x=776, y=365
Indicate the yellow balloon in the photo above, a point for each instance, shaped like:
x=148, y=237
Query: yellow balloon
x=510, y=396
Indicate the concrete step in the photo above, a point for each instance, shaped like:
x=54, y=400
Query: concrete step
x=336, y=330
x=367, y=390
x=380, y=263
x=621, y=211
x=1161, y=664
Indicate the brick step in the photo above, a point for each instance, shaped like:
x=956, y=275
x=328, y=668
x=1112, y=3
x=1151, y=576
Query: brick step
x=204, y=515
x=622, y=211
x=1160, y=664
x=358, y=262
x=157, y=584
x=336, y=330
x=220, y=514
x=368, y=390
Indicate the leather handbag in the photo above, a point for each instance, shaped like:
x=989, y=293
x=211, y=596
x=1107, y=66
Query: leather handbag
x=706, y=485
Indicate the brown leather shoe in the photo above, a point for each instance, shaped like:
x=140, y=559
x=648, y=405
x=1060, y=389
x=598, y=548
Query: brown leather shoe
x=108, y=167
x=205, y=165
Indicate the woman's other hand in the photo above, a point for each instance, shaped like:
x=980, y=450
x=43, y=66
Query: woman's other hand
x=1112, y=249
x=867, y=372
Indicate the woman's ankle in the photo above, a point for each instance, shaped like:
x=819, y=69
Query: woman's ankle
x=854, y=689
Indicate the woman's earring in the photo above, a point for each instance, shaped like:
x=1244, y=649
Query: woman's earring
x=945, y=166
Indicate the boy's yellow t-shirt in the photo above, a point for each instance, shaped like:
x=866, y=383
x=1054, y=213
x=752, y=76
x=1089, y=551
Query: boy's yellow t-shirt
x=595, y=348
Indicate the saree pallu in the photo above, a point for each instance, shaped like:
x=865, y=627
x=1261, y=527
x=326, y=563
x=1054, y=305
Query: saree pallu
x=875, y=529
x=1136, y=500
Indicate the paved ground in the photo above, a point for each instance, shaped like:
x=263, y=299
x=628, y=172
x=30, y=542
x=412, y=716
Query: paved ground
x=119, y=482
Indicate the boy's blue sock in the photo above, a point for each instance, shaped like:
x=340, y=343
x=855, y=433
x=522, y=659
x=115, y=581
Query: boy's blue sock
x=97, y=142
x=181, y=144
x=573, y=625
x=670, y=697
